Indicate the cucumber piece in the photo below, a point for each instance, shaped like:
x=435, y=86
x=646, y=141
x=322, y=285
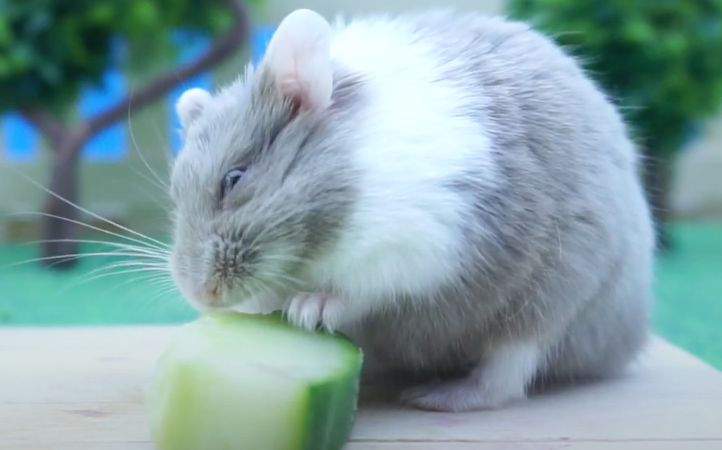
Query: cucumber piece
x=231, y=381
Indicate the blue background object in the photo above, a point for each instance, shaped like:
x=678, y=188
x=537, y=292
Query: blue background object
x=21, y=139
x=193, y=46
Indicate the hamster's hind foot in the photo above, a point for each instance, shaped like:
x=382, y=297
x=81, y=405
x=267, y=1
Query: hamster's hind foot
x=502, y=378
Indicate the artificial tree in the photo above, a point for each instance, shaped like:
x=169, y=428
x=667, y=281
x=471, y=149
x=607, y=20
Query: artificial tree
x=51, y=49
x=661, y=60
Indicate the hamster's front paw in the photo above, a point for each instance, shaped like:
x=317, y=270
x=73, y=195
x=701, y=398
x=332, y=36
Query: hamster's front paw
x=309, y=309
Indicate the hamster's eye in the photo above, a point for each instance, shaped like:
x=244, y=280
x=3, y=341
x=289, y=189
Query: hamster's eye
x=230, y=179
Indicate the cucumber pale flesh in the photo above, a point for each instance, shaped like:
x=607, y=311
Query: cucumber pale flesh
x=231, y=381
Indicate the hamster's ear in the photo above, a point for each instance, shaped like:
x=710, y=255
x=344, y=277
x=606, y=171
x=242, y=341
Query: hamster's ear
x=298, y=58
x=190, y=105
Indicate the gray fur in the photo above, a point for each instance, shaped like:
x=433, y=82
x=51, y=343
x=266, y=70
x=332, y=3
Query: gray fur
x=296, y=194
x=569, y=258
x=560, y=254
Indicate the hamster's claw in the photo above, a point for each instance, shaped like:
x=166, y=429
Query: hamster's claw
x=310, y=309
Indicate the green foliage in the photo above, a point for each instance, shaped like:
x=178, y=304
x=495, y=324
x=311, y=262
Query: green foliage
x=50, y=49
x=660, y=59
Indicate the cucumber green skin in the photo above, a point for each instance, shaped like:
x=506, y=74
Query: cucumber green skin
x=328, y=423
x=330, y=412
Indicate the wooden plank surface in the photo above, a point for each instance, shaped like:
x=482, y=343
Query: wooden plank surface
x=81, y=389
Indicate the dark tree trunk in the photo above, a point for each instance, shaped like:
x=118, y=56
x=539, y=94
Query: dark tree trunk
x=657, y=179
x=58, y=232
x=59, y=229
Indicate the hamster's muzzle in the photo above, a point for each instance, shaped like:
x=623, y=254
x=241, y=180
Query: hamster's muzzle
x=210, y=295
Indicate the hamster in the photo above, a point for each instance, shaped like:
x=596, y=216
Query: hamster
x=449, y=190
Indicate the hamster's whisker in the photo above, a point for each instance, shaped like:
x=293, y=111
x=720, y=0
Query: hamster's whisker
x=160, y=294
x=165, y=207
x=149, y=251
x=159, y=266
x=111, y=233
x=144, y=190
x=160, y=183
x=151, y=181
x=119, y=272
x=86, y=280
x=163, y=288
x=90, y=213
x=159, y=283
x=138, y=264
x=150, y=279
x=160, y=280
x=70, y=256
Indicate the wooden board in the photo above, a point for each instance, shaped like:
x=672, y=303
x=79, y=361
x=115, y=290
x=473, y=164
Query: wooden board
x=81, y=389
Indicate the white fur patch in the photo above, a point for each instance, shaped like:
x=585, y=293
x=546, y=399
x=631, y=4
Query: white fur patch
x=405, y=233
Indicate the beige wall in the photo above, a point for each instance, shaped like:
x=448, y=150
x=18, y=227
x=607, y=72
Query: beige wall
x=119, y=192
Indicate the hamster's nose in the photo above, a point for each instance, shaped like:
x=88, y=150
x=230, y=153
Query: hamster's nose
x=210, y=295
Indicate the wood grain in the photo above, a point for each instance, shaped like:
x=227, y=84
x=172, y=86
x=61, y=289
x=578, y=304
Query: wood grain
x=82, y=389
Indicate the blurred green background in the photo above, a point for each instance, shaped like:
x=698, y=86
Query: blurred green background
x=688, y=308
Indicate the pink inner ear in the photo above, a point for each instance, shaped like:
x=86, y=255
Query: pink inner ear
x=291, y=87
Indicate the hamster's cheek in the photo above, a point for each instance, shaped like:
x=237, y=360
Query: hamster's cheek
x=182, y=278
